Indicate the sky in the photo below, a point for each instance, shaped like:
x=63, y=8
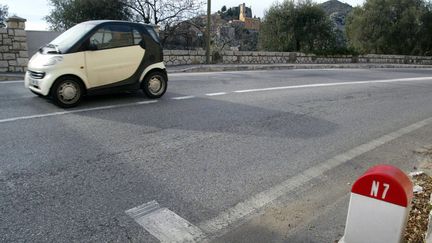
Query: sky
x=35, y=10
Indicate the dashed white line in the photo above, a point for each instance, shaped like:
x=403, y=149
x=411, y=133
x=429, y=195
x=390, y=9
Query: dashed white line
x=76, y=111
x=216, y=94
x=183, y=97
x=211, y=94
x=164, y=224
x=333, y=84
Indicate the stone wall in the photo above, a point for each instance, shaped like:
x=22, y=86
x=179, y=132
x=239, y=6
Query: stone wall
x=14, y=54
x=13, y=46
x=181, y=57
x=245, y=57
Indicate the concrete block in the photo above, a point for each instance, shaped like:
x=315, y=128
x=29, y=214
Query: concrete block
x=23, y=46
x=23, y=54
x=193, y=53
x=16, y=46
x=228, y=53
x=180, y=52
x=20, y=39
x=19, y=46
x=175, y=52
x=3, y=31
x=13, y=25
x=4, y=49
x=7, y=42
x=11, y=32
x=9, y=56
x=19, y=32
x=4, y=64
x=12, y=63
x=22, y=62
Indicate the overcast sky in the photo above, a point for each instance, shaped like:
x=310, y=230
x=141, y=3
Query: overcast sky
x=35, y=10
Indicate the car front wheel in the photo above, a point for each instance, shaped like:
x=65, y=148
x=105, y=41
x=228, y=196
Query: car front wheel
x=67, y=92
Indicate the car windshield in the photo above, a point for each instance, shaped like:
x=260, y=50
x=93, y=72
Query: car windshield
x=70, y=37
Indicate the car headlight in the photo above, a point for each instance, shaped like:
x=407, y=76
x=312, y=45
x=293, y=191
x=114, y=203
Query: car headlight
x=53, y=61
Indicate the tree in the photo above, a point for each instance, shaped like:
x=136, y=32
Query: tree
x=290, y=26
x=388, y=27
x=3, y=14
x=163, y=12
x=67, y=13
x=425, y=39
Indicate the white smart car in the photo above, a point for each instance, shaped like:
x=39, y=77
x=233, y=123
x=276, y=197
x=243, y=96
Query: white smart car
x=98, y=57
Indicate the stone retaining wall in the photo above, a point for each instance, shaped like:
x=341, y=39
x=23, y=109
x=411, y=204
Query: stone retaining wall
x=14, y=54
x=13, y=46
x=174, y=57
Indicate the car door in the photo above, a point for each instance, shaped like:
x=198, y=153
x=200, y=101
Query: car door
x=115, y=55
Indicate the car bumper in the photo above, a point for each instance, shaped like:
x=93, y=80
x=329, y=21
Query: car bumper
x=39, y=85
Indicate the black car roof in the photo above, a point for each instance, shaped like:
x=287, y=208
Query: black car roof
x=98, y=22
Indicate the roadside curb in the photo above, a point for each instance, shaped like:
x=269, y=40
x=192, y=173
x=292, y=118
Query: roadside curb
x=251, y=67
x=11, y=76
x=221, y=68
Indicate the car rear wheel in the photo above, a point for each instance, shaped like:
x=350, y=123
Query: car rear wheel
x=67, y=92
x=155, y=85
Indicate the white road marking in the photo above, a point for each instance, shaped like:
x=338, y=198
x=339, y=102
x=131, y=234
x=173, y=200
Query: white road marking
x=183, y=97
x=212, y=94
x=169, y=227
x=216, y=94
x=254, y=205
x=164, y=224
x=11, y=82
x=76, y=111
x=333, y=84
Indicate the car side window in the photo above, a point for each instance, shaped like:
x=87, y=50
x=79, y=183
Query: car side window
x=101, y=38
x=137, y=37
x=112, y=36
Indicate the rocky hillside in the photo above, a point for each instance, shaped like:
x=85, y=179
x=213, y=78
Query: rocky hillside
x=337, y=11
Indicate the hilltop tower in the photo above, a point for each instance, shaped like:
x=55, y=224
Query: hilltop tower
x=242, y=16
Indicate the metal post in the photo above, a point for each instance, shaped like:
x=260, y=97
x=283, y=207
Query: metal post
x=208, y=31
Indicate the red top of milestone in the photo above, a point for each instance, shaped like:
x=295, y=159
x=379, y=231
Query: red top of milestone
x=386, y=183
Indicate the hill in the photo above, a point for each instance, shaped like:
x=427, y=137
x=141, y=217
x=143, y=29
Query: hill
x=337, y=11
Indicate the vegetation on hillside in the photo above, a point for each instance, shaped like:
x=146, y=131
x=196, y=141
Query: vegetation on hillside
x=378, y=26
x=296, y=26
x=67, y=13
x=3, y=14
x=391, y=27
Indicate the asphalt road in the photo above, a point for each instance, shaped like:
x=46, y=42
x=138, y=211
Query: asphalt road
x=214, y=140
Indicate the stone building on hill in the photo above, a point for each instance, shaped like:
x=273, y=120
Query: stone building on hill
x=245, y=18
x=249, y=22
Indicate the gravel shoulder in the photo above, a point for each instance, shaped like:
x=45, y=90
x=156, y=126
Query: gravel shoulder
x=309, y=215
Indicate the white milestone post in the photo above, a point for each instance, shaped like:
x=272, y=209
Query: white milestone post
x=379, y=206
